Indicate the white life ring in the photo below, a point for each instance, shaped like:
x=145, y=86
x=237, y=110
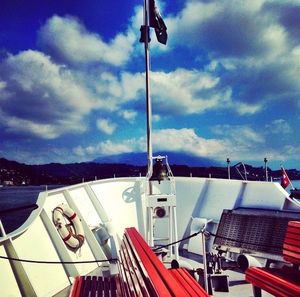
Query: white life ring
x=72, y=234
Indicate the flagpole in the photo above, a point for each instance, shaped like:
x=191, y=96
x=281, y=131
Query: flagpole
x=148, y=94
x=293, y=188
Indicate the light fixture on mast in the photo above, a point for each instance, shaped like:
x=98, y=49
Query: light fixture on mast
x=266, y=168
x=228, y=167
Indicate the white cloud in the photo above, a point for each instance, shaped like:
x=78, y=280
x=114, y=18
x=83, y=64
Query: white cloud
x=128, y=115
x=120, y=89
x=68, y=39
x=2, y=85
x=239, y=143
x=186, y=91
x=279, y=126
x=253, y=45
x=180, y=91
x=181, y=140
x=244, y=108
x=241, y=135
x=42, y=98
x=242, y=142
x=108, y=147
x=186, y=140
x=226, y=29
x=106, y=126
x=156, y=118
x=14, y=124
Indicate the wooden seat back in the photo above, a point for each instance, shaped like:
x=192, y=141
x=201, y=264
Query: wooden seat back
x=291, y=246
x=145, y=275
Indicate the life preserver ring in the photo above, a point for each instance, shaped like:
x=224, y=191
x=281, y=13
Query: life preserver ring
x=72, y=234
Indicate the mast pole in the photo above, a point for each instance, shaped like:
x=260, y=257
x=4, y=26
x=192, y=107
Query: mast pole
x=148, y=93
x=266, y=168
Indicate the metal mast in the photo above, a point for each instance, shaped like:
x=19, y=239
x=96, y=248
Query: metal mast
x=146, y=33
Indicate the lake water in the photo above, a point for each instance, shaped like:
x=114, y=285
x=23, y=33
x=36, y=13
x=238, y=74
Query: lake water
x=12, y=197
x=296, y=184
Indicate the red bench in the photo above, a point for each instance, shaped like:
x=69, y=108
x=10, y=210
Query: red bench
x=143, y=274
x=285, y=281
x=92, y=286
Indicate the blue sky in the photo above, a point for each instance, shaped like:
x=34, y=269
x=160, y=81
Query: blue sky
x=227, y=84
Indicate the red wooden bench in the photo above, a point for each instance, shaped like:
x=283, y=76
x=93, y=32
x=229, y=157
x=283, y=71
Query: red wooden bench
x=92, y=286
x=285, y=281
x=143, y=274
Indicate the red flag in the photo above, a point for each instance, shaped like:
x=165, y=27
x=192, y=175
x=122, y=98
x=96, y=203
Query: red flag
x=285, y=181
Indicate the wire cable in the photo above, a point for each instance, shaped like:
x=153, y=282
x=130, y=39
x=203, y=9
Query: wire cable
x=207, y=233
x=178, y=241
x=56, y=262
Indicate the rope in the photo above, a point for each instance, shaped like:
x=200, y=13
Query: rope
x=217, y=236
x=157, y=248
x=55, y=262
x=180, y=240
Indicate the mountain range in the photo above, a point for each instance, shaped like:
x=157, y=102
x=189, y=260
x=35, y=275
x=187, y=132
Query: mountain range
x=140, y=159
x=131, y=164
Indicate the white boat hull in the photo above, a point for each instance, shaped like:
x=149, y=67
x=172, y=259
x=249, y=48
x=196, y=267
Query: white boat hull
x=115, y=204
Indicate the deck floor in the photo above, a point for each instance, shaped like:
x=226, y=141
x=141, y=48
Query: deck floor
x=238, y=287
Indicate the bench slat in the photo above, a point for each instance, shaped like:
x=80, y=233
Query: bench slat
x=295, y=224
x=151, y=262
x=293, y=230
x=291, y=257
x=152, y=276
x=88, y=286
x=134, y=268
x=127, y=274
x=174, y=287
x=119, y=291
x=99, y=287
x=76, y=287
x=292, y=235
x=143, y=274
x=285, y=280
x=291, y=260
x=292, y=241
x=267, y=287
x=292, y=248
x=190, y=284
x=126, y=280
x=93, y=286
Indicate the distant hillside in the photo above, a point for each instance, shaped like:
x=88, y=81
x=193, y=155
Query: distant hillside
x=140, y=159
x=14, y=173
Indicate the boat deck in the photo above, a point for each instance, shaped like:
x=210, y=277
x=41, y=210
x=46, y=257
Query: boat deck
x=102, y=205
x=238, y=287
